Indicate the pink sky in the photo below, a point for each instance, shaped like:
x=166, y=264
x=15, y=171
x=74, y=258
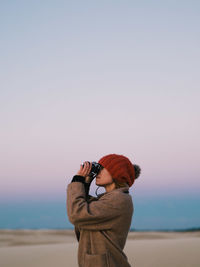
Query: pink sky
x=77, y=93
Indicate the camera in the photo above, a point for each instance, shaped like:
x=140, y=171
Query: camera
x=96, y=168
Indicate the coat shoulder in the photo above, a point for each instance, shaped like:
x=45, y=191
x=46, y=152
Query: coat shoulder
x=119, y=197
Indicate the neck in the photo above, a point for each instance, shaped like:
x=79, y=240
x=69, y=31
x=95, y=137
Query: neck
x=110, y=187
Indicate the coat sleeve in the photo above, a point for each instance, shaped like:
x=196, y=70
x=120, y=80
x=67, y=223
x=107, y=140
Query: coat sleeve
x=96, y=215
x=77, y=233
x=80, y=178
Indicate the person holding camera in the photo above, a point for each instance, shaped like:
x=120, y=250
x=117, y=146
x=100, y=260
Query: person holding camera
x=102, y=223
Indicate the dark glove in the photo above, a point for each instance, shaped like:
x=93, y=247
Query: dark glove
x=79, y=178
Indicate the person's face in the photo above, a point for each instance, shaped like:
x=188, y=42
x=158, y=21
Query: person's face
x=104, y=178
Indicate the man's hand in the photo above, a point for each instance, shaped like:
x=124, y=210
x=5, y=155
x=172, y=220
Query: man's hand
x=84, y=171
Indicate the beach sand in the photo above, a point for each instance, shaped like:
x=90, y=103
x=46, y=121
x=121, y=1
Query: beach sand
x=52, y=248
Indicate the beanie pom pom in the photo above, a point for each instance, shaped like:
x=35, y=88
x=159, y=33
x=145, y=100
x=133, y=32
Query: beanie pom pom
x=137, y=170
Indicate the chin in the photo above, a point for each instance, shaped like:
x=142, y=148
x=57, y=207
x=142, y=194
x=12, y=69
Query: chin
x=101, y=185
x=97, y=183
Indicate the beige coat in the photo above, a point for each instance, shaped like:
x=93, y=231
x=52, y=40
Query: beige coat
x=101, y=225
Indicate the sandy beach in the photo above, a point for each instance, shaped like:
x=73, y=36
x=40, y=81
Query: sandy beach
x=40, y=248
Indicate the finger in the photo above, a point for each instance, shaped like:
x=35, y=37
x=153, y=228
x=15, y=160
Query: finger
x=84, y=169
x=88, y=167
x=89, y=171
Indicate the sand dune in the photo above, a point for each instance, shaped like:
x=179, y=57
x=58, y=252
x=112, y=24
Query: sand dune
x=39, y=248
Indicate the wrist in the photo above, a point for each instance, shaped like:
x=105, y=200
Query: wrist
x=78, y=178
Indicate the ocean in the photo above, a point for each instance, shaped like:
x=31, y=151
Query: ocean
x=155, y=213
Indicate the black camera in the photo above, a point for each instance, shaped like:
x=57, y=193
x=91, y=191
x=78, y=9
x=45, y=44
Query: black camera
x=96, y=168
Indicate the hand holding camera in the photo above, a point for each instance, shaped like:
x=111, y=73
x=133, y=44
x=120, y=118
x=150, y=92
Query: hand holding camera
x=89, y=170
x=85, y=171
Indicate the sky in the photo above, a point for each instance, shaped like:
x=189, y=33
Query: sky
x=83, y=79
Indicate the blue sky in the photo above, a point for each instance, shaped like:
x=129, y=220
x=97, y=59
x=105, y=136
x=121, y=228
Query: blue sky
x=83, y=79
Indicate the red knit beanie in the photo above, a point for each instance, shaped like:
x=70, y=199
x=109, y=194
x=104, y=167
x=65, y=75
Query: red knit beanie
x=120, y=168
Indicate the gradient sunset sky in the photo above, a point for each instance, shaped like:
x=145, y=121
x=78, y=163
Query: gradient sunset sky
x=82, y=79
